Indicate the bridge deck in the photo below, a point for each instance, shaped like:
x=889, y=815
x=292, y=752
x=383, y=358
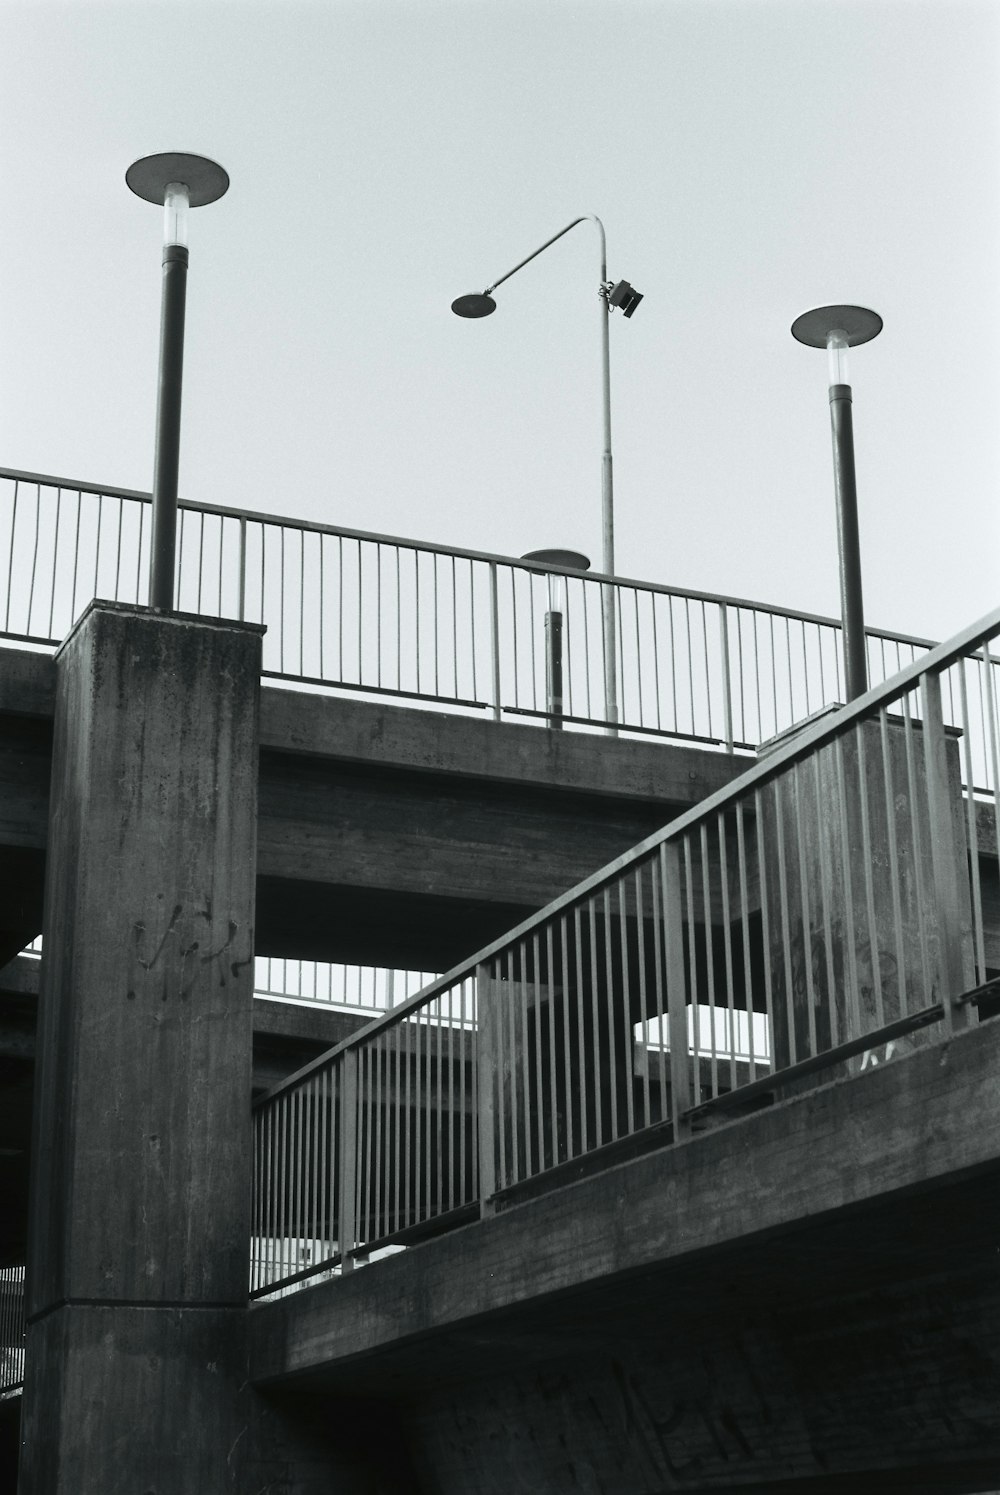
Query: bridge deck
x=808, y=1291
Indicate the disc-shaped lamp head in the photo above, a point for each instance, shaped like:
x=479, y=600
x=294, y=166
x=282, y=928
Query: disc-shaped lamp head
x=476, y=305
x=205, y=180
x=837, y=328
x=177, y=181
x=571, y=559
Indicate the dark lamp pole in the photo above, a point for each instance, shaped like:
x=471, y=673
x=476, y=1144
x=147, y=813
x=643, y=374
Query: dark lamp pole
x=837, y=328
x=554, y=615
x=176, y=182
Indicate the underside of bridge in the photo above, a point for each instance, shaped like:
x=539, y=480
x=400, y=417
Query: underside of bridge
x=808, y=1298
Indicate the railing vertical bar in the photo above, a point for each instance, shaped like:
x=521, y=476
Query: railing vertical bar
x=553, y=1065
x=945, y=855
x=532, y=1005
x=451, y=1094
x=805, y=907
x=640, y=925
x=889, y=792
x=674, y=973
x=693, y=983
x=704, y=655
x=399, y=621
x=495, y=639
x=609, y=1004
x=10, y=561
x=765, y=923
x=348, y=1206
x=361, y=629
x=581, y=1024
x=487, y=1072
x=473, y=651
x=727, y=944
x=454, y=630
x=659, y=979
x=748, y=993
x=914, y=799
x=586, y=592
x=638, y=656
x=440, y=1110
x=867, y=873
x=566, y=1024
x=437, y=645
x=727, y=684
x=709, y=928
x=784, y=912
x=525, y=1049
x=595, y=1013
x=821, y=831
x=628, y=1065
x=853, y=1012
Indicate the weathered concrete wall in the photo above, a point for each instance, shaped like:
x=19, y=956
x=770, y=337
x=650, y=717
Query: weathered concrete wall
x=139, y=1229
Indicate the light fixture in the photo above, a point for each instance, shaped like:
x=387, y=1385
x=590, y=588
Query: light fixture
x=176, y=182
x=837, y=328
x=610, y=293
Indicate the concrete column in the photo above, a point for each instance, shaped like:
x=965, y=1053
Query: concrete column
x=139, y=1224
x=874, y=939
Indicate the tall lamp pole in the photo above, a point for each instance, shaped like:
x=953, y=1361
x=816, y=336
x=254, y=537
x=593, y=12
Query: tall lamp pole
x=176, y=182
x=609, y=295
x=838, y=328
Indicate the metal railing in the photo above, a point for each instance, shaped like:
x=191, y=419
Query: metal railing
x=834, y=898
x=355, y=611
x=11, y=1330
x=330, y=984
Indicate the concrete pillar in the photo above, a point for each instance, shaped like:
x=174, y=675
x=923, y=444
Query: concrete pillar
x=872, y=937
x=139, y=1224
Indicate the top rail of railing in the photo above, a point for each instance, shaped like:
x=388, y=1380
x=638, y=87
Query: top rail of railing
x=378, y=614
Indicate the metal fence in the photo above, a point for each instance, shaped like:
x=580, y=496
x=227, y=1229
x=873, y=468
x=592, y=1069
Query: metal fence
x=11, y=1330
x=817, y=915
x=387, y=616
x=355, y=988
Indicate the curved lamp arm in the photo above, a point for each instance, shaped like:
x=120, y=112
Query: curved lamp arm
x=585, y=218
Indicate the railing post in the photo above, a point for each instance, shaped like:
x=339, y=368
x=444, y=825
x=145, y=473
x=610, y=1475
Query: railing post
x=347, y=1226
x=727, y=683
x=673, y=930
x=243, y=569
x=485, y=1060
x=495, y=639
x=948, y=858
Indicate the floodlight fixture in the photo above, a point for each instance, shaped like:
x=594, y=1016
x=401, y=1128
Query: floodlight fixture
x=838, y=328
x=177, y=182
x=622, y=295
x=481, y=305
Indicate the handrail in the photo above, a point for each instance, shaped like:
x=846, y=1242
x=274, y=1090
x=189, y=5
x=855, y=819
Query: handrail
x=803, y=745
x=314, y=526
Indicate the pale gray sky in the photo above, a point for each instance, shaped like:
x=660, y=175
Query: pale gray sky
x=749, y=158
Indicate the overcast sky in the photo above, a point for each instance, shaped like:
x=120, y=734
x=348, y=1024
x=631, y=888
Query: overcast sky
x=750, y=159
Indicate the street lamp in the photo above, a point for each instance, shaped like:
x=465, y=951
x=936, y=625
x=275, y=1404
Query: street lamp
x=837, y=328
x=609, y=295
x=176, y=182
x=554, y=615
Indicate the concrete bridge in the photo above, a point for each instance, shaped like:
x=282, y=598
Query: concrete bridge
x=798, y=1292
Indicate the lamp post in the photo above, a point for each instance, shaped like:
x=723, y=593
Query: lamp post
x=554, y=615
x=176, y=182
x=610, y=295
x=838, y=328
